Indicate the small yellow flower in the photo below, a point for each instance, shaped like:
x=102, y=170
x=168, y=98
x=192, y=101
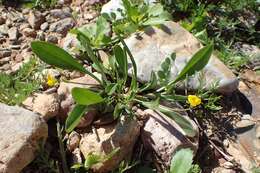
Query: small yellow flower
x=194, y=100
x=51, y=81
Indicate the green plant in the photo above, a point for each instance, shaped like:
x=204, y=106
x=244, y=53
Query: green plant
x=182, y=162
x=15, y=88
x=117, y=92
x=135, y=16
x=93, y=159
x=43, y=162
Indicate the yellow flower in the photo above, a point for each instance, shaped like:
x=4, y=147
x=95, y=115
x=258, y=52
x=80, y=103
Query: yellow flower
x=194, y=100
x=51, y=81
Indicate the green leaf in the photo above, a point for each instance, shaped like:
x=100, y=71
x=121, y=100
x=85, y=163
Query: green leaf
x=74, y=117
x=150, y=85
x=121, y=60
x=118, y=110
x=56, y=56
x=154, y=21
x=174, y=98
x=91, y=160
x=85, y=96
x=196, y=63
x=111, y=88
x=179, y=119
x=155, y=10
x=182, y=161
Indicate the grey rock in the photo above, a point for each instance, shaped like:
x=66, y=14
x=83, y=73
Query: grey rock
x=122, y=134
x=164, y=136
x=4, y=29
x=115, y=5
x=44, y=26
x=60, y=14
x=151, y=47
x=21, y=133
x=35, y=19
x=62, y=26
x=52, y=39
x=13, y=34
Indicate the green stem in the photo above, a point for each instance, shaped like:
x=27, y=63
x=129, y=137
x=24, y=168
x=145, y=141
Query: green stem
x=62, y=151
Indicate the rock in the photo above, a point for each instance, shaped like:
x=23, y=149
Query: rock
x=240, y=155
x=35, y=19
x=13, y=34
x=21, y=133
x=6, y=53
x=40, y=35
x=222, y=170
x=69, y=43
x=73, y=141
x=52, y=39
x=151, y=47
x=110, y=137
x=114, y=5
x=44, y=26
x=47, y=105
x=64, y=92
x=28, y=103
x=2, y=20
x=60, y=14
x=164, y=136
x=62, y=26
x=4, y=29
x=28, y=32
x=4, y=60
x=62, y=2
x=76, y=157
x=87, y=119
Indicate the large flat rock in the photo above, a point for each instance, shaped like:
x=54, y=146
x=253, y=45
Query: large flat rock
x=152, y=46
x=21, y=132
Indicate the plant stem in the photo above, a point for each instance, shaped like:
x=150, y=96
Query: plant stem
x=62, y=151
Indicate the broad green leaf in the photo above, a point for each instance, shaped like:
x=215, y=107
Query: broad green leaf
x=102, y=29
x=121, y=60
x=179, y=119
x=91, y=160
x=182, y=161
x=196, y=63
x=155, y=10
x=56, y=56
x=85, y=96
x=74, y=117
x=174, y=97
